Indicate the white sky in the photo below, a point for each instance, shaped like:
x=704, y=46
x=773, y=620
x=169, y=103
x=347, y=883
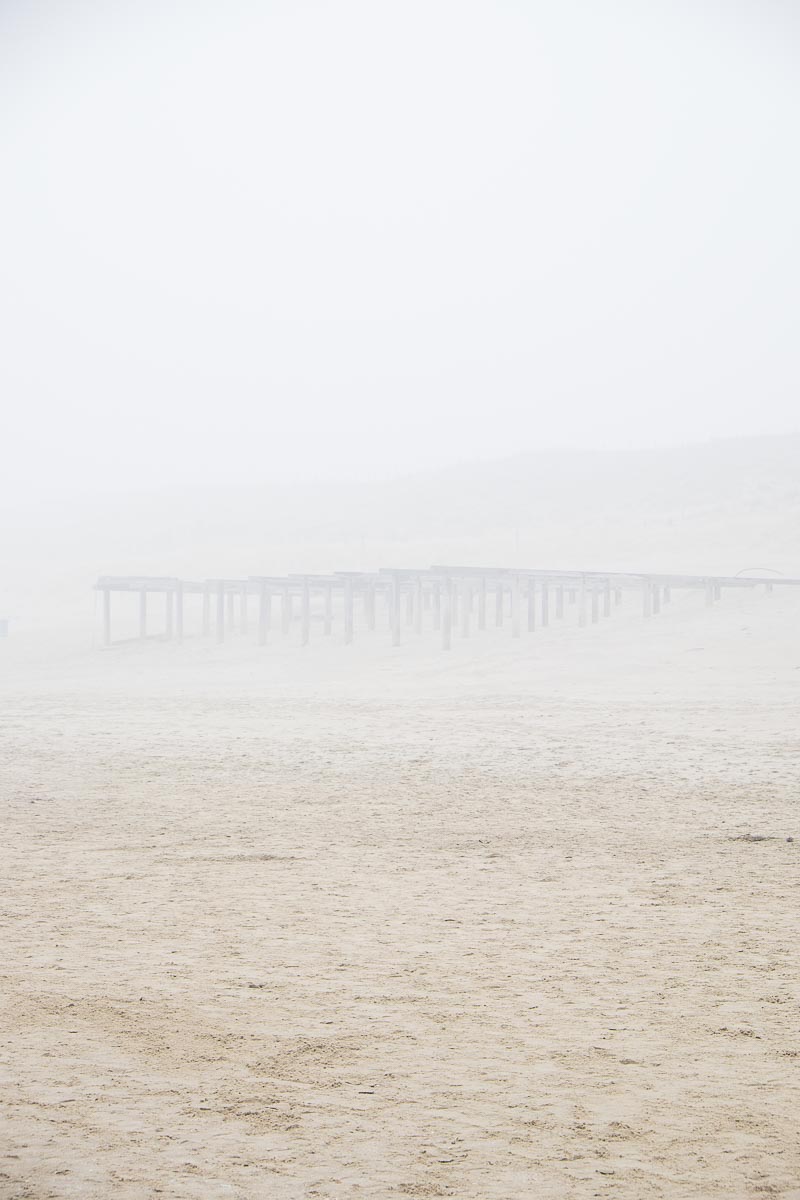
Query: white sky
x=243, y=240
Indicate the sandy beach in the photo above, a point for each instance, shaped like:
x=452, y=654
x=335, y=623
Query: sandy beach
x=516, y=921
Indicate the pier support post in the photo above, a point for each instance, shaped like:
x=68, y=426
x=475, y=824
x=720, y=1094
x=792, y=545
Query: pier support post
x=595, y=604
x=328, y=621
x=418, y=606
x=264, y=605
x=582, y=604
x=220, y=612
x=559, y=602
x=206, y=611
x=607, y=598
x=306, y=613
x=169, y=614
x=395, y=603
x=531, y=605
x=515, y=607
x=243, y=609
x=437, y=606
x=482, y=603
x=447, y=614
x=545, y=604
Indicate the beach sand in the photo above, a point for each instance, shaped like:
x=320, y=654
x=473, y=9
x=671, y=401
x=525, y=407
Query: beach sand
x=517, y=921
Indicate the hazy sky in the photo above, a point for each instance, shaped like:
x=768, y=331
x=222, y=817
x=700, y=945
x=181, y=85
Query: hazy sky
x=243, y=239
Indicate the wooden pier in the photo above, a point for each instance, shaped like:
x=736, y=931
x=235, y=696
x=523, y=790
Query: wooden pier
x=451, y=600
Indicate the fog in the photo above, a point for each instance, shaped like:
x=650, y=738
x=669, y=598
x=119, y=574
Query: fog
x=267, y=241
x=399, y=600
